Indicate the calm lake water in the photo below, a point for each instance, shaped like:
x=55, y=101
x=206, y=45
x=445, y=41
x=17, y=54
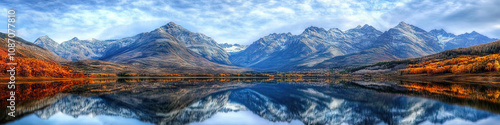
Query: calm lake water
x=252, y=101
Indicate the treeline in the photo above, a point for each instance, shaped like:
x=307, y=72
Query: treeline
x=244, y=74
x=476, y=92
x=31, y=67
x=388, y=64
x=461, y=64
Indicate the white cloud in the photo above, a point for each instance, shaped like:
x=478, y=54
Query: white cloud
x=455, y=16
x=244, y=21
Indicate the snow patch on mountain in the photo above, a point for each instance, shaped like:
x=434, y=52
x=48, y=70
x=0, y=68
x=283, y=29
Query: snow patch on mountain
x=233, y=48
x=443, y=39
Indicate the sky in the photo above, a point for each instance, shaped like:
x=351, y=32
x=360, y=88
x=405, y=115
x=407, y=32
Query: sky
x=242, y=21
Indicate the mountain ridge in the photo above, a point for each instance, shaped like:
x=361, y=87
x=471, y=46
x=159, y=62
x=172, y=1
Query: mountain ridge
x=314, y=48
x=285, y=50
x=159, y=52
x=76, y=49
x=30, y=50
x=400, y=42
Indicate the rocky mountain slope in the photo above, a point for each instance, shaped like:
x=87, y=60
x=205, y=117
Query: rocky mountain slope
x=47, y=43
x=395, y=66
x=466, y=40
x=29, y=50
x=170, y=48
x=400, y=42
x=76, y=49
x=159, y=51
x=198, y=43
x=314, y=48
x=314, y=45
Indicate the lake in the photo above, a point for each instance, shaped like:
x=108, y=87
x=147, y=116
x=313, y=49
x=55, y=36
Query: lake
x=200, y=101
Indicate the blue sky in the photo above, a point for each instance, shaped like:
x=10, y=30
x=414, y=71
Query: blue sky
x=242, y=21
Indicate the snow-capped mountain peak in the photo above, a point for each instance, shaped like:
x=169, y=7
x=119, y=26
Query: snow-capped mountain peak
x=314, y=29
x=442, y=35
x=47, y=43
x=74, y=39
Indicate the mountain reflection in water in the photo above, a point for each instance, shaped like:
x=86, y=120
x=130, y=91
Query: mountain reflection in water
x=254, y=101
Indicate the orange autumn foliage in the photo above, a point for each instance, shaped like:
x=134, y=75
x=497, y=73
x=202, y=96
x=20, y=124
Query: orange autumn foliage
x=462, y=64
x=43, y=89
x=458, y=90
x=31, y=67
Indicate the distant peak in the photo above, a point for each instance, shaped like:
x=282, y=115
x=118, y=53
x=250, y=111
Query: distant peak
x=44, y=37
x=44, y=40
x=366, y=27
x=313, y=28
x=334, y=29
x=171, y=24
x=404, y=25
x=473, y=34
x=75, y=39
x=438, y=31
x=280, y=34
x=407, y=27
x=92, y=39
x=442, y=32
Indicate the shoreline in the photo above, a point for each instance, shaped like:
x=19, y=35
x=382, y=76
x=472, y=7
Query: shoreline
x=42, y=79
x=480, y=78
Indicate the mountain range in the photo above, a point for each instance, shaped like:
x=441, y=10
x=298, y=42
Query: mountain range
x=76, y=49
x=313, y=46
x=174, y=48
x=29, y=50
x=170, y=48
x=402, y=41
x=394, y=66
x=317, y=48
